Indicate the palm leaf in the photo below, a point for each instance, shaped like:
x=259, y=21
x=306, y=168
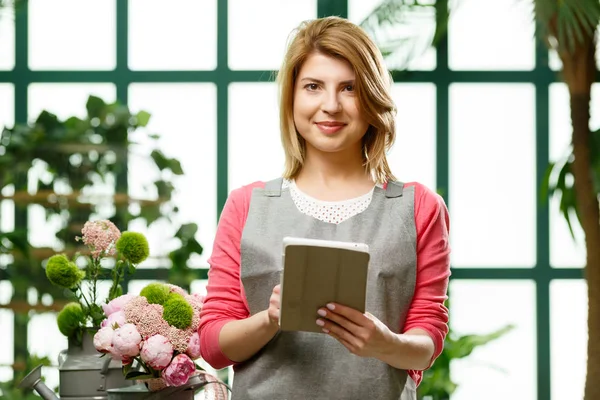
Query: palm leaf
x=398, y=26
x=568, y=22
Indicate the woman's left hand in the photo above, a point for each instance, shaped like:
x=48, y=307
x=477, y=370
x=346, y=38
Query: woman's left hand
x=362, y=334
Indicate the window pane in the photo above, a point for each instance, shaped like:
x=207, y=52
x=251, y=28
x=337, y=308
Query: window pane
x=417, y=28
x=492, y=175
x=568, y=338
x=491, y=35
x=564, y=251
x=259, y=29
x=7, y=355
x=49, y=344
x=7, y=105
x=255, y=151
x=7, y=36
x=184, y=115
x=413, y=156
x=481, y=307
x=185, y=40
x=64, y=100
x=72, y=34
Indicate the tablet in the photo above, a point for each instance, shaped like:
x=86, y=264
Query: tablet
x=317, y=272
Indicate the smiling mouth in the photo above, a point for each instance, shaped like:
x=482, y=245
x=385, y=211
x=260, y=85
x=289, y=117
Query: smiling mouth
x=330, y=127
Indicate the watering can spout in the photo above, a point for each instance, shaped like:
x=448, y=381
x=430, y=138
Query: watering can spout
x=33, y=380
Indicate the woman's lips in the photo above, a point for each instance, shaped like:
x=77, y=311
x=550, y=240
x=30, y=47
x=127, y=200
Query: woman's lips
x=329, y=128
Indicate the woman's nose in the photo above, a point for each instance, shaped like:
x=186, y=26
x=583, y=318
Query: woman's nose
x=331, y=103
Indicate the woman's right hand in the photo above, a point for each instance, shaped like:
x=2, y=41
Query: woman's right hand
x=275, y=306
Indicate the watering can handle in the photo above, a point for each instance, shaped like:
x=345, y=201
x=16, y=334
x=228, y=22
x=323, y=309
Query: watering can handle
x=105, y=365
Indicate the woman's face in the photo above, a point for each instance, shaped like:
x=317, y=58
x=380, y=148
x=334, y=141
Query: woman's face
x=326, y=112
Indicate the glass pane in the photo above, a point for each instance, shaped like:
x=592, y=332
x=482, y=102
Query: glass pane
x=417, y=29
x=7, y=105
x=492, y=175
x=413, y=157
x=186, y=39
x=7, y=336
x=259, y=29
x=481, y=307
x=7, y=42
x=72, y=35
x=479, y=37
x=564, y=251
x=64, y=100
x=185, y=117
x=255, y=151
x=568, y=324
x=49, y=344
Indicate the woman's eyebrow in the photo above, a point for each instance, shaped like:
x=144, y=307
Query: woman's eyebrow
x=347, y=82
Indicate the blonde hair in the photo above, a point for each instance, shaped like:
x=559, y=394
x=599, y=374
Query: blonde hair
x=339, y=38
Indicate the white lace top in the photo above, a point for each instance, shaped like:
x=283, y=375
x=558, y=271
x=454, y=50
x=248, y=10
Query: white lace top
x=328, y=211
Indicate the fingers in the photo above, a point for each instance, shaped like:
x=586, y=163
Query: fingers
x=339, y=320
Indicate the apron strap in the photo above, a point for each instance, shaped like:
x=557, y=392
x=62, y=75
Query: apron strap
x=273, y=188
x=394, y=189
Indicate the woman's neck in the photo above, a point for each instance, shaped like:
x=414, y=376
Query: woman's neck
x=333, y=177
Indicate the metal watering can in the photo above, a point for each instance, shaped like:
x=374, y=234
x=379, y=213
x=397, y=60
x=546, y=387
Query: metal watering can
x=85, y=375
x=133, y=392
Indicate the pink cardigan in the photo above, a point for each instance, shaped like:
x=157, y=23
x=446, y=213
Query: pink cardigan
x=226, y=301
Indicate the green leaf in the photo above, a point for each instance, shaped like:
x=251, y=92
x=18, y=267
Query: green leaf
x=96, y=107
x=187, y=231
x=142, y=118
x=464, y=345
x=126, y=368
x=138, y=375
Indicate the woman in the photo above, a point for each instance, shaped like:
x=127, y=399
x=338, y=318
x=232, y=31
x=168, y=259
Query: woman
x=337, y=122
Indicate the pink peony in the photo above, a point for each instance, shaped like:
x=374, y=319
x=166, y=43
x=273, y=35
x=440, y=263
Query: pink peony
x=115, y=318
x=126, y=341
x=103, y=340
x=157, y=352
x=100, y=237
x=116, y=304
x=193, y=349
x=179, y=371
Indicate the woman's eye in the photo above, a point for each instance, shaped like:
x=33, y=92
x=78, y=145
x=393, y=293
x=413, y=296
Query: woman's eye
x=349, y=88
x=312, y=86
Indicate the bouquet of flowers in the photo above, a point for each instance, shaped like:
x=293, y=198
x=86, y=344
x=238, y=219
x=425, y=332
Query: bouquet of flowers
x=155, y=335
x=103, y=239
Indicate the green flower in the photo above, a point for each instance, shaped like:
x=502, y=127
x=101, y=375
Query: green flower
x=156, y=293
x=177, y=311
x=133, y=246
x=70, y=318
x=62, y=272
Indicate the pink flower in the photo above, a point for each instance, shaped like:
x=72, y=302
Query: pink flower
x=193, y=349
x=116, y=304
x=157, y=352
x=103, y=340
x=115, y=318
x=100, y=237
x=179, y=371
x=126, y=341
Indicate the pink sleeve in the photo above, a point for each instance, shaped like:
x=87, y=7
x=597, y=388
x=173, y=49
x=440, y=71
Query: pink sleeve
x=225, y=300
x=427, y=310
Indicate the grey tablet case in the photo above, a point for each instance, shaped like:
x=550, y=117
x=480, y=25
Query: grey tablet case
x=314, y=276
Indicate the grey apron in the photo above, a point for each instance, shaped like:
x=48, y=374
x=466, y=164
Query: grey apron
x=302, y=365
